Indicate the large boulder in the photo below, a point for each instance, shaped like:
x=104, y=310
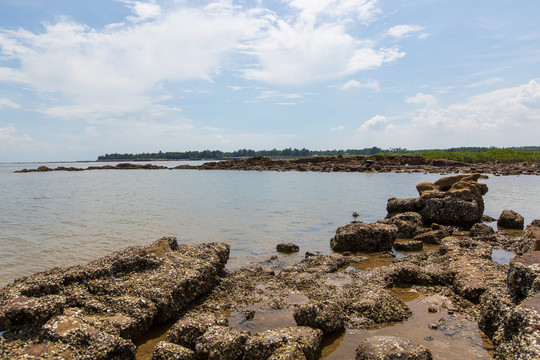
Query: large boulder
x=391, y=348
x=454, y=200
x=359, y=236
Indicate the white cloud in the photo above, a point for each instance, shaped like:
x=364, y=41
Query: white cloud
x=8, y=103
x=312, y=10
x=338, y=128
x=21, y=147
x=289, y=54
x=377, y=122
x=355, y=84
x=403, y=31
x=422, y=98
x=486, y=82
x=505, y=111
x=142, y=10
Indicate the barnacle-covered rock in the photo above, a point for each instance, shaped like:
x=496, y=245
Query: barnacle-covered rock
x=109, y=301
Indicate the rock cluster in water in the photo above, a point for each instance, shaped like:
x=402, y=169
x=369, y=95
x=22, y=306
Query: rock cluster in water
x=258, y=312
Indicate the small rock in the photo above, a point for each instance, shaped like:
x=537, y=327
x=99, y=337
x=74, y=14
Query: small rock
x=511, y=220
x=408, y=245
x=287, y=248
x=324, y=315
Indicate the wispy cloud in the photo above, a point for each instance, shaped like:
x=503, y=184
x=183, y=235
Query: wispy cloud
x=8, y=103
x=403, y=31
x=355, y=84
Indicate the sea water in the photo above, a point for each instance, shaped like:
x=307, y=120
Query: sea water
x=60, y=218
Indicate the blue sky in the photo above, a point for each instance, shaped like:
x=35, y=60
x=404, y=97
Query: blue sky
x=83, y=78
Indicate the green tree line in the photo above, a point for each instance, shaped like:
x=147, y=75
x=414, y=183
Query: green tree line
x=463, y=154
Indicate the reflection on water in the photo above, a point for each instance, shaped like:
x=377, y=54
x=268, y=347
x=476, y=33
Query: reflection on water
x=66, y=218
x=448, y=336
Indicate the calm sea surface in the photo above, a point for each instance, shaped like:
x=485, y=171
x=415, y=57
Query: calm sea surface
x=67, y=218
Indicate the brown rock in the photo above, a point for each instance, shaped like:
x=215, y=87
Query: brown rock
x=358, y=236
x=511, y=220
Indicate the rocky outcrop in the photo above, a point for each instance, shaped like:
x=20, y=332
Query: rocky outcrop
x=359, y=236
x=94, y=310
x=391, y=347
x=455, y=200
x=121, y=166
x=510, y=219
x=369, y=164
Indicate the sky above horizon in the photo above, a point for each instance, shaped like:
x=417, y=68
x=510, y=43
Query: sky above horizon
x=79, y=79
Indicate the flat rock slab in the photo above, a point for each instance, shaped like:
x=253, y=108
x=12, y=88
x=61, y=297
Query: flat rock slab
x=409, y=245
x=96, y=309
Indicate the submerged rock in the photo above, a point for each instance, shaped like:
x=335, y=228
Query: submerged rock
x=390, y=348
x=287, y=248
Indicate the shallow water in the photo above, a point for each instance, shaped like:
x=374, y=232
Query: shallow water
x=448, y=336
x=67, y=218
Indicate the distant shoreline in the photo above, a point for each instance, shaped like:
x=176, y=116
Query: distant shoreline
x=367, y=164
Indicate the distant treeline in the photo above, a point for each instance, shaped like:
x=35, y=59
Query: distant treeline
x=458, y=154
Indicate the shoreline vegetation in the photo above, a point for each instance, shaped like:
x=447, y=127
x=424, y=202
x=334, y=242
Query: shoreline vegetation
x=463, y=154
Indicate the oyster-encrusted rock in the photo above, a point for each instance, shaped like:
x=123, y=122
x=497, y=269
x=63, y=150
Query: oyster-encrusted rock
x=359, y=236
x=167, y=351
x=263, y=345
x=109, y=301
x=524, y=276
x=325, y=315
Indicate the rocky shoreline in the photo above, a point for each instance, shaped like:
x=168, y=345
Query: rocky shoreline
x=368, y=164
x=362, y=292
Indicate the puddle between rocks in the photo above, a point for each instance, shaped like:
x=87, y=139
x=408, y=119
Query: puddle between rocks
x=145, y=345
x=261, y=316
x=501, y=256
x=448, y=336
